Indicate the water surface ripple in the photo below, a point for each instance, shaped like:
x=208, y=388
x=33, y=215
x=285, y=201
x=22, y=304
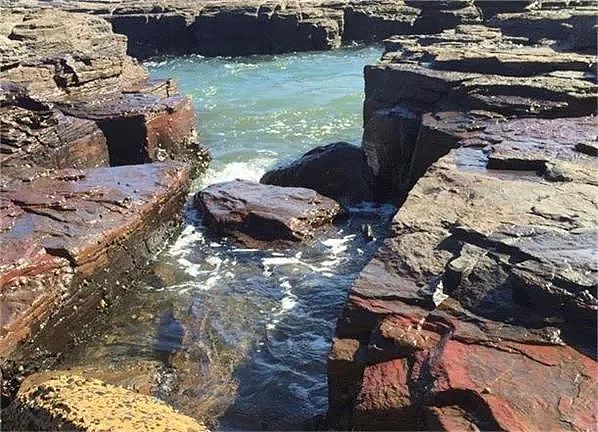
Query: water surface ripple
x=241, y=335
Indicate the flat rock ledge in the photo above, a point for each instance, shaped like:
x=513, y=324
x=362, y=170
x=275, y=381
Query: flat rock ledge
x=479, y=311
x=475, y=72
x=73, y=239
x=254, y=213
x=62, y=401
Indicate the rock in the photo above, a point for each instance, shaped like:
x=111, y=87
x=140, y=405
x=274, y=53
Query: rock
x=253, y=212
x=481, y=304
x=144, y=127
x=568, y=27
x=34, y=133
x=469, y=69
x=62, y=401
x=76, y=64
x=338, y=171
x=67, y=236
x=255, y=28
x=374, y=21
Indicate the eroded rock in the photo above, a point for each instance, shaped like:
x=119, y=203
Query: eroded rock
x=73, y=68
x=338, y=171
x=253, y=212
x=63, y=401
x=481, y=304
x=471, y=69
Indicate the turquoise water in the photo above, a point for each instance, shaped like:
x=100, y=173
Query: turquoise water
x=236, y=337
x=256, y=111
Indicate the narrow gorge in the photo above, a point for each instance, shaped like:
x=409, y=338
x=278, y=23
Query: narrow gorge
x=302, y=215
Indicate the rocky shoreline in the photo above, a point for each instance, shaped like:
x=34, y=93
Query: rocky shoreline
x=478, y=312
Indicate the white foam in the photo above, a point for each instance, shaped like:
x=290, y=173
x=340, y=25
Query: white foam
x=189, y=236
x=249, y=170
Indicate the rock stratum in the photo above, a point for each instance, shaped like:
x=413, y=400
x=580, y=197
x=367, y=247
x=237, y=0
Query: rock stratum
x=91, y=187
x=242, y=27
x=479, y=310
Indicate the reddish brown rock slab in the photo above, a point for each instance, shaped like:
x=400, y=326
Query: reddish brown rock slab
x=560, y=389
x=69, y=235
x=487, y=279
x=253, y=212
x=384, y=400
x=144, y=127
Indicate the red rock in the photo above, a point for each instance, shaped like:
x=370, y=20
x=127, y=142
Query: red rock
x=485, y=289
x=67, y=227
x=144, y=127
x=384, y=400
x=253, y=212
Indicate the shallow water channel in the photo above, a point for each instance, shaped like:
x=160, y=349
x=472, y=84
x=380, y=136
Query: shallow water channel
x=240, y=336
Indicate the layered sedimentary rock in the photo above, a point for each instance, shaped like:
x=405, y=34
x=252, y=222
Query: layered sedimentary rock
x=71, y=239
x=338, y=171
x=253, y=212
x=35, y=133
x=73, y=68
x=62, y=401
x=478, y=312
x=230, y=27
x=475, y=70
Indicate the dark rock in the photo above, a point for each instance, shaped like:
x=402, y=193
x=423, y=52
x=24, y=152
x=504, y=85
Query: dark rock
x=374, y=21
x=338, y=171
x=570, y=28
x=253, y=212
x=238, y=29
x=488, y=272
x=68, y=235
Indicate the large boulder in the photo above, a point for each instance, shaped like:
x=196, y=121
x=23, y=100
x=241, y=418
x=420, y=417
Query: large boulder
x=339, y=171
x=253, y=212
x=63, y=401
x=480, y=307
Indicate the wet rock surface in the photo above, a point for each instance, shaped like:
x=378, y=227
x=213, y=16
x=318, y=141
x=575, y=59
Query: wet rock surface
x=338, y=171
x=481, y=305
x=64, y=401
x=71, y=237
x=253, y=212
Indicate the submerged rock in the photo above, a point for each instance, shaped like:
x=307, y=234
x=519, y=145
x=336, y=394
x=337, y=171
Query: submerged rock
x=338, y=171
x=481, y=305
x=63, y=401
x=253, y=212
